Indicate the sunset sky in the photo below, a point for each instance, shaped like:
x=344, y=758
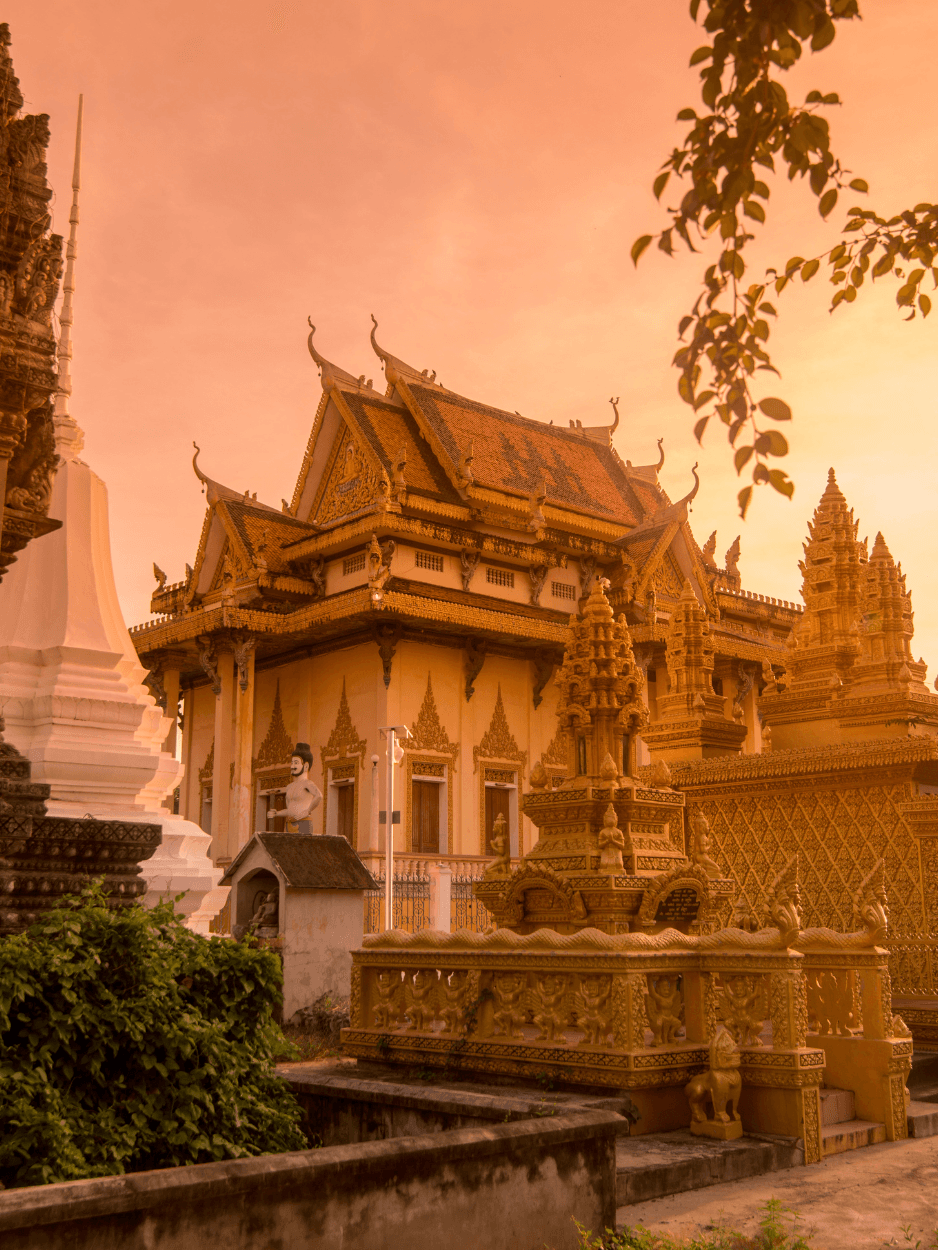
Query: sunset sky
x=475, y=175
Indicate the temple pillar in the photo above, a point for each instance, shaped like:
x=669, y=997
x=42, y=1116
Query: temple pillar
x=171, y=686
x=222, y=848
x=191, y=793
x=242, y=791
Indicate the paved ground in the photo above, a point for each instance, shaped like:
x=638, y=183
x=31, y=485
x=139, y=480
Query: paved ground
x=856, y=1201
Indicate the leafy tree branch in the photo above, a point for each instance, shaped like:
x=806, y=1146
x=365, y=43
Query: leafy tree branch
x=749, y=126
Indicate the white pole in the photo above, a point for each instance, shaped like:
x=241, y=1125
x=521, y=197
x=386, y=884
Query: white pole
x=374, y=838
x=389, y=839
x=391, y=733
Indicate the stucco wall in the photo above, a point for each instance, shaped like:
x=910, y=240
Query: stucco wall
x=503, y=1187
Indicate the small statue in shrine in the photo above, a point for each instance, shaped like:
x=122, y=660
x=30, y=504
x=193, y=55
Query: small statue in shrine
x=303, y=795
x=701, y=852
x=265, y=922
x=611, y=842
x=663, y=1007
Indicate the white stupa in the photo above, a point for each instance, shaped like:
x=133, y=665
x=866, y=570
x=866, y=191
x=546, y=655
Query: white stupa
x=71, y=685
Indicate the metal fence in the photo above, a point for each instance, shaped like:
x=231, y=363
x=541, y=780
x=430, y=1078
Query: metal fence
x=466, y=912
x=411, y=900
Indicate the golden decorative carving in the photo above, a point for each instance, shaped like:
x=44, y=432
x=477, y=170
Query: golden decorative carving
x=427, y=732
x=664, y=1008
x=277, y=746
x=344, y=740
x=208, y=768
x=498, y=742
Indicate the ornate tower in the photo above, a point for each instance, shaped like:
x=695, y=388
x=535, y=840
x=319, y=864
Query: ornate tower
x=30, y=268
x=850, y=669
x=692, y=723
x=600, y=709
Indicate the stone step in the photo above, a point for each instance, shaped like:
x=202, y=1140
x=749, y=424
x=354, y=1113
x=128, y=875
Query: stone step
x=852, y=1135
x=837, y=1106
x=656, y=1164
x=923, y=1119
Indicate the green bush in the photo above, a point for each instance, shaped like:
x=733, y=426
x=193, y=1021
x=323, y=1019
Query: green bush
x=128, y=1042
x=778, y=1230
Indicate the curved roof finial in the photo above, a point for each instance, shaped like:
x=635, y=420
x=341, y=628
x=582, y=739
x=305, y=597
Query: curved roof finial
x=615, y=409
x=688, y=498
x=195, y=464
x=330, y=374
x=320, y=360
x=660, y=465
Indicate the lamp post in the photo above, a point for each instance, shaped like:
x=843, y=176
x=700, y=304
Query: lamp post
x=395, y=755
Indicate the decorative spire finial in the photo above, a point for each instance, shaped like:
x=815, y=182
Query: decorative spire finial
x=615, y=409
x=69, y=436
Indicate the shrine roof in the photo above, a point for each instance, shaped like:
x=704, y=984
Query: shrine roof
x=513, y=453
x=389, y=427
x=256, y=526
x=311, y=862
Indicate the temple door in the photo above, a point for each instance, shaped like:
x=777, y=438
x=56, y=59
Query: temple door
x=425, y=811
x=345, y=813
x=496, y=804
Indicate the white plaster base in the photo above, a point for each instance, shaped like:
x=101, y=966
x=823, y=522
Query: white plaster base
x=72, y=693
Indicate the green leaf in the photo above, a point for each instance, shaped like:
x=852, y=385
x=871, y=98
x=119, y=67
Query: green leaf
x=687, y=115
x=639, y=246
x=824, y=36
x=742, y=457
x=702, y=54
x=795, y=263
x=809, y=270
x=828, y=200
x=744, y=499
x=859, y=184
x=772, y=443
x=699, y=428
x=754, y=210
x=660, y=183
x=776, y=409
x=924, y=304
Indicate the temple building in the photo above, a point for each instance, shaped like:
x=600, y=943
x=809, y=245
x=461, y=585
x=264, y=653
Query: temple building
x=423, y=574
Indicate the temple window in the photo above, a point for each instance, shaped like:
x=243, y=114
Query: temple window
x=500, y=798
x=353, y=564
x=427, y=560
x=499, y=577
x=340, y=815
x=563, y=590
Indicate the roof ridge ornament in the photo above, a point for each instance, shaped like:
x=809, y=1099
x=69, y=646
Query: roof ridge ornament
x=397, y=370
x=332, y=375
x=615, y=409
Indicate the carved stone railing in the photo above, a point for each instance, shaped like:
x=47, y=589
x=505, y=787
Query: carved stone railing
x=635, y=1011
x=867, y=1048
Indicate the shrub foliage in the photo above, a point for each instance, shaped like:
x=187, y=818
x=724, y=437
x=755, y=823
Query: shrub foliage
x=128, y=1042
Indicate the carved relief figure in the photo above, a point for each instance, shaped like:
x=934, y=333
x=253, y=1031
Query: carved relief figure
x=501, y=866
x=455, y=1000
x=265, y=923
x=549, y=1016
x=508, y=988
x=353, y=465
x=664, y=1007
x=385, y=1010
x=422, y=1007
x=743, y=1017
x=595, y=1009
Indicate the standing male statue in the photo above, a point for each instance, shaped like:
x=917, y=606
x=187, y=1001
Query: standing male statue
x=303, y=795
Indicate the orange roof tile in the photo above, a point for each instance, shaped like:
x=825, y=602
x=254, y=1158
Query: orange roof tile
x=388, y=428
x=511, y=453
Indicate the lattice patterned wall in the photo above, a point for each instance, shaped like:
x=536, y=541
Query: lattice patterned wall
x=839, y=834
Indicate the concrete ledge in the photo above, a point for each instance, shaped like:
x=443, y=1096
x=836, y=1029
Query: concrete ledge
x=923, y=1119
x=659, y=1164
x=502, y=1187
x=851, y=1135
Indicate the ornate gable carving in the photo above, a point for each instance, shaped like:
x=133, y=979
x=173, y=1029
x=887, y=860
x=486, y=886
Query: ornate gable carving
x=498, y=743
x=277, y=747
x=344, y=740
x=556, y=754
x=350, y=482
x=668, y=579
x=427, y=732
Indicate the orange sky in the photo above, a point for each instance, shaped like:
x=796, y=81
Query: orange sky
x=474, y=174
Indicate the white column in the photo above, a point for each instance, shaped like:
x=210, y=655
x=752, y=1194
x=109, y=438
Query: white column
x=441, y=893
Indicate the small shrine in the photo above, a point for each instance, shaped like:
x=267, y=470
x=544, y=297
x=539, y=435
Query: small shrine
x=610, y=853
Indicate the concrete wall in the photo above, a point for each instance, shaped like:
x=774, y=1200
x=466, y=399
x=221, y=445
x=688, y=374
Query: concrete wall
x=503, y=1187
x=320, y=930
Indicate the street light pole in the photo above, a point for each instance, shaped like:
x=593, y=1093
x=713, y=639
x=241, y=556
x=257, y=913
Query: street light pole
x=395, y=754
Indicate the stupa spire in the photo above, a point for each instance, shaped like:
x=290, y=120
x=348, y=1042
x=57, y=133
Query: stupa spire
x=69, y=436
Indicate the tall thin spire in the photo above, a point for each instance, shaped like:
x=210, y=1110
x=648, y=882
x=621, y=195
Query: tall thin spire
x=69, y=437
